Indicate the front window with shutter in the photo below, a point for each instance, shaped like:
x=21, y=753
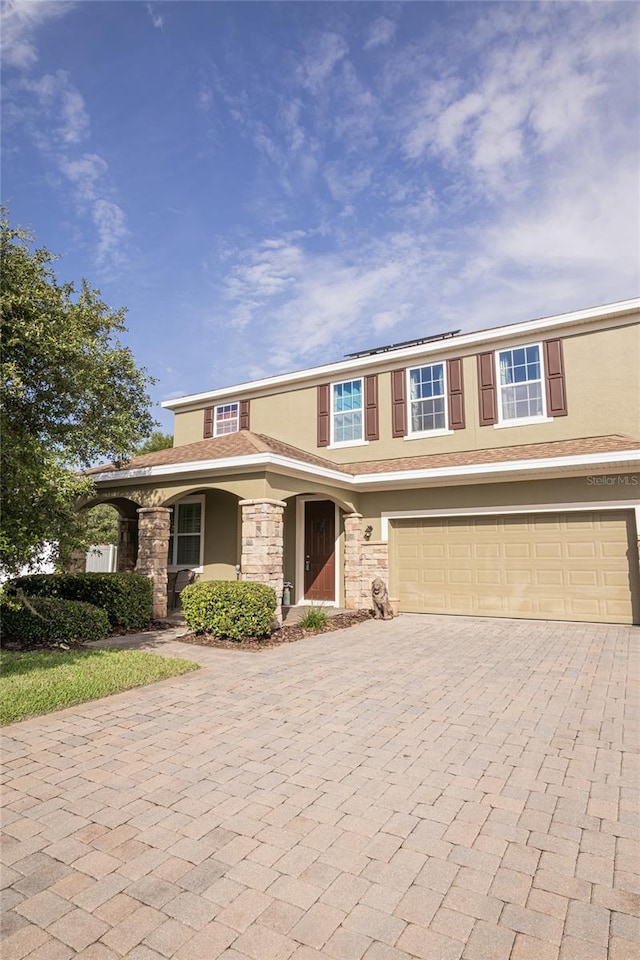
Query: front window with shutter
x=347, y=412
x=427, y=399
x=185, y=538
x=226, y=419
x=520, y=383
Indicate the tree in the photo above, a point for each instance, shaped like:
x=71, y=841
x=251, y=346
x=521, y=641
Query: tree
x=72, y=396
x=101, y=525
x=157, y=441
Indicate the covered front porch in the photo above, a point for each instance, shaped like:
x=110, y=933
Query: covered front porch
x=307, y=541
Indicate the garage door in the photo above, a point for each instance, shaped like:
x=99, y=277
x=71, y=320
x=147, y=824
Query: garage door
x=574, y=566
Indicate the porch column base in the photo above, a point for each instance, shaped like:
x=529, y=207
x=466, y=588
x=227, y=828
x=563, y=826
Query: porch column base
x=364, y=560
x=263, y=545
x=153, y=545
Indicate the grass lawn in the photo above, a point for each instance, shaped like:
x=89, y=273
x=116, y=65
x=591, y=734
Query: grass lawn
x=37, y=682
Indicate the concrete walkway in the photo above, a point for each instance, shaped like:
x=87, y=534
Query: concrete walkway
x=429, y=788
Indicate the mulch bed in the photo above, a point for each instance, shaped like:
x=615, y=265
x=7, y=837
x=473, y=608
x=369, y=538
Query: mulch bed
x=288, y=633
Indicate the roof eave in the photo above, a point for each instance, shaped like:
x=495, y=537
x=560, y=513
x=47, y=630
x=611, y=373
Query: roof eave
x=576, y=464
x=473, y=339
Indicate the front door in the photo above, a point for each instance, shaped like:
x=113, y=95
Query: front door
x=319, y=550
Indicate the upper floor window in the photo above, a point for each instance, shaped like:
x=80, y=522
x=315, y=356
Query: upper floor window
x=347, y=412
x=226, y=419
x=185, y=536
x=520, y=381
x=427, y=399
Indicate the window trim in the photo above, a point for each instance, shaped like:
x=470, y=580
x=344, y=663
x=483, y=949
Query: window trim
x=172, y=563
x=437, y=431
x=340, y=444
x=219, y=406
x=503, y=421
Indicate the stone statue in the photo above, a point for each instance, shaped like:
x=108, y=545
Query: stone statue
x=380, y=596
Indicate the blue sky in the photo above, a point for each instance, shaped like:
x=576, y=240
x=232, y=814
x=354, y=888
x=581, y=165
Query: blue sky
x=268, y=186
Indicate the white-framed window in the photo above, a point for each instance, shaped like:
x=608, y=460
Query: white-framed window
x=226, y=419
x=427, y=399
x=186, y=538
x=520, y=384
x=347, y=412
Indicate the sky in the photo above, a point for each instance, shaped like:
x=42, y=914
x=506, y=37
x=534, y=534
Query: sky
x=269, y=186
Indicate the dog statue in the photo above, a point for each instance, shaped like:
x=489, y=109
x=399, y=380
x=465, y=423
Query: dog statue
x=380, y=596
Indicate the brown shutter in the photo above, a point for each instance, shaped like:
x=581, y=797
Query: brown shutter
x=208, y=423
x=487, y=389
x=554, y=372
x=371, y=429
x=323, y=415
x=398, y=403
x=244, y=414
x=455, y=398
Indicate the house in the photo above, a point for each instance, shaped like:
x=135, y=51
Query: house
x=487, y=473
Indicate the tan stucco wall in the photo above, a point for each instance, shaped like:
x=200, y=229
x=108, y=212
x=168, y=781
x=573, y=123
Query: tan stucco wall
x=221, y=542
x=602, y=370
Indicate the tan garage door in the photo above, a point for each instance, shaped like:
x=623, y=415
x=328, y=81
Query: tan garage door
x=574, y=566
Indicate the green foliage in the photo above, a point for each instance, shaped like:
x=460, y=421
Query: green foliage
x=37, y=682
x=71, y=396
x=233, y=609
x=101, y=524
x=157, y=441
x=50, y=620
x=313, y=618
x=125, y=597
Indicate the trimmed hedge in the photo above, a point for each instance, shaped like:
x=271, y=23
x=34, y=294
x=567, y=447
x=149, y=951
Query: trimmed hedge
x=126, y=597
x=48, y=620
x=228, y=608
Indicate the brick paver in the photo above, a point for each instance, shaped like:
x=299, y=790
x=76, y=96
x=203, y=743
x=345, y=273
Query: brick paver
x=420, y=789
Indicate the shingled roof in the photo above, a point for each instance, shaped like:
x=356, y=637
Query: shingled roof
x=247, y=444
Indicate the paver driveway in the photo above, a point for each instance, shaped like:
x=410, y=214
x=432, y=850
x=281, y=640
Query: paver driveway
x=428, y=788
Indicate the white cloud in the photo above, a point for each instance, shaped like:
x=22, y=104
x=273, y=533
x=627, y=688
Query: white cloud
x=55, y=115
x=328, y=50
x=110, y=223
x=61, y=106
x=85, y=173
x=156, y=18
x=380, y=33
x=19, y=21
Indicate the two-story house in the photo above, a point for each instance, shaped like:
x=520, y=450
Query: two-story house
x=489, y=473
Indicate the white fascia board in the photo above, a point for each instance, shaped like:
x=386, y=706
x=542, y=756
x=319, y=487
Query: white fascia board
x=368, y=480
x=504, y=466
x=225, y=465
x=332, y=370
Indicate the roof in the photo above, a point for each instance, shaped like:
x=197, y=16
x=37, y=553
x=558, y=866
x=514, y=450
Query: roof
x=243, y=443
x=248, y=450
x=400, y=353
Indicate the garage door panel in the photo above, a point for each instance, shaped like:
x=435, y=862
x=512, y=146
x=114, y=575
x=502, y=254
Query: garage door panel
x=547, y=551
x=514, y=551
x=582, y=578
x=554, y=566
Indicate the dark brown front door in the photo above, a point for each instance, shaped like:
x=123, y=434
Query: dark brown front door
x=319, y=550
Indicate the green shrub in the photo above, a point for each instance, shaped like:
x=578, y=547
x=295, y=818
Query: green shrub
x=313, y=618
x=48, y=620
x=233, y=609
x=126, y=597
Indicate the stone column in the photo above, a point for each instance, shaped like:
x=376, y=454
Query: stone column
x=153, y=545
x=127, y=545
x=352, y=566
x=263, y=545
x=364, y=560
